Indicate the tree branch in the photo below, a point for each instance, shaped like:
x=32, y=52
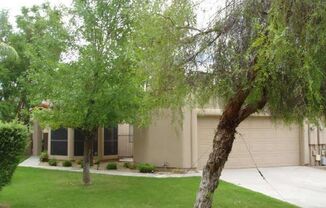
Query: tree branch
x=254, y=107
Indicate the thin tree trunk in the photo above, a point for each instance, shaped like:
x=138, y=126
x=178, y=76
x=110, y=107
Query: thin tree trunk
x=92, y=153
x=222, y=145
x=234, y=113
x=86, y=162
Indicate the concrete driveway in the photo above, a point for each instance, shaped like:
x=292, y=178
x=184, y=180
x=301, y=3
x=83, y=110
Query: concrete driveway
x=299, y=185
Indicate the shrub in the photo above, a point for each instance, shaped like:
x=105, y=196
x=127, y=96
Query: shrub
x=129, y=165
x=81, y=163
x=44, y=157
x=146, y=168
x=111, y=166
x=13, y=139
x=66, y=163
x=52, y=162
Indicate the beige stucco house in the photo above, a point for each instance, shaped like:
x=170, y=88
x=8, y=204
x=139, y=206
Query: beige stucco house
x=187, y=143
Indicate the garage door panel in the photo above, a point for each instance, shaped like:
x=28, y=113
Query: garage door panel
x=270, y=144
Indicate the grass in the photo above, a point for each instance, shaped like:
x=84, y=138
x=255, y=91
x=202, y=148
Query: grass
x=47, y=188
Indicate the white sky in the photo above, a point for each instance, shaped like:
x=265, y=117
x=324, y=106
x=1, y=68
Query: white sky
x=206, y=9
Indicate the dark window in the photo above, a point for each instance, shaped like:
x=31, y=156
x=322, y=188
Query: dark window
x=79, y=143
x=59, y=142
x=111, y=141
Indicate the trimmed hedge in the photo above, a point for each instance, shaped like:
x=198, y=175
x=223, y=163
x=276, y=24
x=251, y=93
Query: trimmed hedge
x=13, y=140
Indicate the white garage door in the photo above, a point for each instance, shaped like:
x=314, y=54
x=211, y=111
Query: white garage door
x=270, y=144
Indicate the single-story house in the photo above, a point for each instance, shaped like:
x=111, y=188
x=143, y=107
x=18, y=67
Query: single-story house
x=187, y=143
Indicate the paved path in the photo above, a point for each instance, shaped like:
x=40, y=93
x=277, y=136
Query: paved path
x=299, y=185
x=34, y=163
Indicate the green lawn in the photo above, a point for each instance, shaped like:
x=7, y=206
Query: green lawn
x=46, y=188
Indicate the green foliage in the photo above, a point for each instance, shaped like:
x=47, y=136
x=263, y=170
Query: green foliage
x=158, y=48
x=102, y=86
x=130, y=165
x=67, y=163
x=292, y=60
x=44, y=157
x=13, y=137
x=39, y=41
x=146, y=168
x=111, y=166
x=273, y=51
x=52, y=162
x=7, y=53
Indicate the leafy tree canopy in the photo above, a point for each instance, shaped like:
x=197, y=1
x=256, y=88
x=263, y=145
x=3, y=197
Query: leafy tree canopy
x=38, y=39
x=268, y=52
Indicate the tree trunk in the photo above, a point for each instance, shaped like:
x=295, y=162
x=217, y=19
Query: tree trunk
x=92, y=153
x=87, y=156
x=234, y=113
x=222, y=145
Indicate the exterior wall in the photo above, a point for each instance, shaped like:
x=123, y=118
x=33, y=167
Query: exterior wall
x=37, y=136
x=162, y=143
x=125, y=140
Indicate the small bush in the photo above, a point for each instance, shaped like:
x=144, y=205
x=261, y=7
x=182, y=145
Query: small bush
x=67, y=163
x=146, y=168
x=111, y=166
x=129, y=165
x=13, y=139
x=44, y=157
x=52, y=162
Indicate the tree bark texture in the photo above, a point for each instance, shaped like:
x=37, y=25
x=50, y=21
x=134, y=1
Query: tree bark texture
x=92, y=153
x=234, y=112
x=87, y=157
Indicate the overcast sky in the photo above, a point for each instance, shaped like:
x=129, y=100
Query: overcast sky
x=206, y=9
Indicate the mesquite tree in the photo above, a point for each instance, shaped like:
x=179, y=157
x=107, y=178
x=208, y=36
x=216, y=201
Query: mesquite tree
x=96, y=83
x=254, y=56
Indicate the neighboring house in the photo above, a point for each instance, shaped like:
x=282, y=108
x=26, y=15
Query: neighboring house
x=187, y=143
x=67, y=143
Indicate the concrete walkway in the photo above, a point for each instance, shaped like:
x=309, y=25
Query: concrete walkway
x=33, y=162
x=299, y=185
